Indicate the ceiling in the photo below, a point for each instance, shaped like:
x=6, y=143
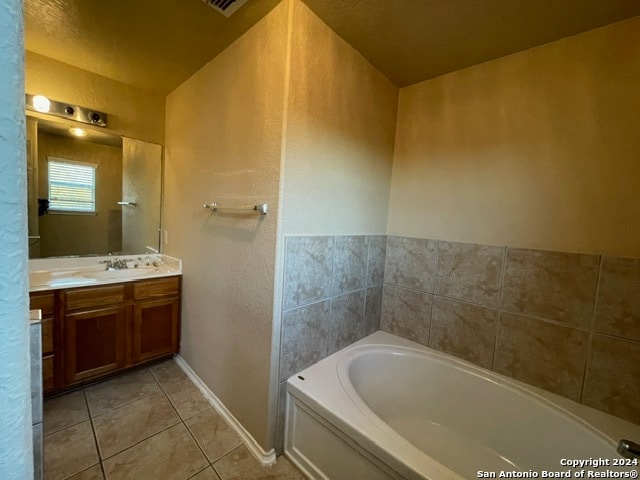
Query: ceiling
x=157, y=44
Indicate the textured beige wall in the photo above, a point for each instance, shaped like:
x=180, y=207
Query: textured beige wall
x=339, y=136
x=132, y=112
x=77, y=234
x=223, y=143
x=538, y=149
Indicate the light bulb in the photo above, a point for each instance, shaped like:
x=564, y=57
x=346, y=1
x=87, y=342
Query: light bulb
x=78, y=132
x=41, y=103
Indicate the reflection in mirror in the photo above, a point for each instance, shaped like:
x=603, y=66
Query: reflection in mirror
x=97, y=194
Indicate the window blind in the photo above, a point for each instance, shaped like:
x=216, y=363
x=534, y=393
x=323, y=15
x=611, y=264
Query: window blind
x=72, y=186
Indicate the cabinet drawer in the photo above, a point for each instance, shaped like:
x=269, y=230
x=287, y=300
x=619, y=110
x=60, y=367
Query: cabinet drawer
x=151, y=289
x=47, y=373
x=44, y=302
x=47, y=335
x=88, y=298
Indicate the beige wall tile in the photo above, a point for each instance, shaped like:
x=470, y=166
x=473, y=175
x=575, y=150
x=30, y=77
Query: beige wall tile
x=618, y=302
x=543, y=354
x=469, y=272
x=349, y=264
x=308, y=270
x=612, y=381
x=347, y=320
x=554, y=285
x=406, y=313
x=372, y=310
x=410, y=263
x=377, y=254
x=464, y=330
x=305, y=337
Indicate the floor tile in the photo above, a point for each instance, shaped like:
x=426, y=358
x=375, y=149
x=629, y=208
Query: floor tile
x=69, y=451
x=168, y=373
x=213, y=434
x=123, y=427
x=241, y=465
x=171, y=454
x=187, y=399
x=119, y=391
x=91, y=473
x=206, y=474
x=64, y=411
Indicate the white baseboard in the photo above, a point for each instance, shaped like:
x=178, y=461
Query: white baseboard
x=265, y=458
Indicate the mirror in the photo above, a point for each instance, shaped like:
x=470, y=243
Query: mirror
x=99, y=194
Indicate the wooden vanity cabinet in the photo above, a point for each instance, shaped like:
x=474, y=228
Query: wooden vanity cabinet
x=96, y=331
x=46, y=302
x=156, y=315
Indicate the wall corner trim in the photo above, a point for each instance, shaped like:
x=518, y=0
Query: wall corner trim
x=264, y=457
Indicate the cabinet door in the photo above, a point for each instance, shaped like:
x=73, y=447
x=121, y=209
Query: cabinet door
x=155, y=329
x=45, y=301
x=95, y=343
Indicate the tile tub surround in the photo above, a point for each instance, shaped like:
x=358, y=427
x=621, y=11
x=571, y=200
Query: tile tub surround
x=565, y=322
x=332, y=297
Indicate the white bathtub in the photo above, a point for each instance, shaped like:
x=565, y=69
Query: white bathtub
x=389, y=408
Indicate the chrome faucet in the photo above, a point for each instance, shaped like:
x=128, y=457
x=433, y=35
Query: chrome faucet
x=117, y=264
x=629, y=449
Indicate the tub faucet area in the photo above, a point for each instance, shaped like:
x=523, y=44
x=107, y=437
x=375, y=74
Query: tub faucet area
x=629, y=449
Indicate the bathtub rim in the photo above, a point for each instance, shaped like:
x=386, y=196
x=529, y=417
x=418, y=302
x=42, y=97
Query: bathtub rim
x=321, y=392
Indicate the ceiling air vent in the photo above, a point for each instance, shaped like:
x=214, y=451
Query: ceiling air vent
x=226, y=7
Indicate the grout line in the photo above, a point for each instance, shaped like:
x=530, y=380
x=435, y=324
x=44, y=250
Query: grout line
x=142, y=441
x=596, y=293
x=435, y=267
x=366, y=270
x=550, y=321
x=585, y=367
x=503, y=271
x=495, y=342
x=433, y=292
x=199, y=472
x=95, y=435
x=193, y=436
x=122, y=405
x=153, y=435
x=467, y=302
x=333, y=266
x=430, y=320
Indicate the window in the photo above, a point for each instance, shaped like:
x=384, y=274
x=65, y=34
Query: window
x=72, y=186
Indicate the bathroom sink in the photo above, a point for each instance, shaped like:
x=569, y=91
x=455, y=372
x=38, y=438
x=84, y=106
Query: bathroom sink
x=116, y=274
x=76, y=272
x=57, y=279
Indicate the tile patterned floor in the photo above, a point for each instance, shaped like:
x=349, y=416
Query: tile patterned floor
x=149, y=424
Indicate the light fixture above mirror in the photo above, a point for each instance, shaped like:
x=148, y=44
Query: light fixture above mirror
x=42, y=104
